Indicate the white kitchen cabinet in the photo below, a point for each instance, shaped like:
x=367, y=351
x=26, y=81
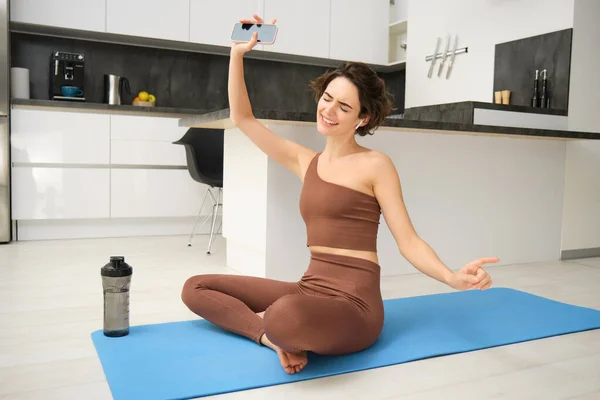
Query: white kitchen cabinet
x=140, y=140
x=129, y=152
x=149, y=18
x=60, y=193
x=155, y=193
x=87, y=15
x=211, y=22
x=39, y=136
x=145, y=128
x=360, y=30
x=303, y=26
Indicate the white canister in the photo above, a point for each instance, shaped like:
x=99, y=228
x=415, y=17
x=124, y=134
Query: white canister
x=19, y=83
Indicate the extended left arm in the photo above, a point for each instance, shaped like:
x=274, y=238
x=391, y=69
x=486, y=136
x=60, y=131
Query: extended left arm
x=423, y=257
x=415, y=250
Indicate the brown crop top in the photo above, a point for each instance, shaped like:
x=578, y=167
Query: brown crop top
x=338, y=216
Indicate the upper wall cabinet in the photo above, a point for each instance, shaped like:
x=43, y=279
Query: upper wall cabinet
x=303, y=26
x=211, y=22
x=149, y=18
x=359, y=30
x=349, y=30
x=81, y=14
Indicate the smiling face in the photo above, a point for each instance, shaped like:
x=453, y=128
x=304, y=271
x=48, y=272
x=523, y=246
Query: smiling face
x=338, y=108
x=347, y=95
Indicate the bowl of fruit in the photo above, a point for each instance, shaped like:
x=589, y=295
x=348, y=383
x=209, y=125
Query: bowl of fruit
x=144, y=99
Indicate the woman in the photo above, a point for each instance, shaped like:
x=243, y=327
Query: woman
x=336, y=307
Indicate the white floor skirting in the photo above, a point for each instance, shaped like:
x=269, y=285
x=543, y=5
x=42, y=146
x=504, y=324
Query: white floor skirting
x=106, y=228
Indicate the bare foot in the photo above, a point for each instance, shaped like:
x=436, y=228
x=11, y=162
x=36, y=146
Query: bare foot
x=291, y=362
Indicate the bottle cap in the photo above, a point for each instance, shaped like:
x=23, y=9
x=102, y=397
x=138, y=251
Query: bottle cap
x=117, y=267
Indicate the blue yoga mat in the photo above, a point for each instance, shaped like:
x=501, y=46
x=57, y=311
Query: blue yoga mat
x=182, y=360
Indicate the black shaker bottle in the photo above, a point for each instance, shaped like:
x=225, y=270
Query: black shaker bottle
x=116, y=279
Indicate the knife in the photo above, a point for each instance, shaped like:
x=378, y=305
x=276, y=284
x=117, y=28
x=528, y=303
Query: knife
x=451, y=63
x=444, y=56
x=437, y=47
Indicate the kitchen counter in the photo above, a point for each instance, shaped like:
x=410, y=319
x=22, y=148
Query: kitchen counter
x=471, y=191
x=481, y=113
x=101, y=108
x=463, y=111
x=220, y=120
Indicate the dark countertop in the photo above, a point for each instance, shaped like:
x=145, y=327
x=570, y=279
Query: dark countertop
x=488, y=106
x=464, y=111
x=76, y=106
x=220, y=120
x=514, y=108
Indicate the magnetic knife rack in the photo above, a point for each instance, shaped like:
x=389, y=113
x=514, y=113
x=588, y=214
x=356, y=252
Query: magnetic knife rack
x=449, y=53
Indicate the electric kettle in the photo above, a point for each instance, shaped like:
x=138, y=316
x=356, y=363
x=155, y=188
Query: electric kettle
x=114, y=87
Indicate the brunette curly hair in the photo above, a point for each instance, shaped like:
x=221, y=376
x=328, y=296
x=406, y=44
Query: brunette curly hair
x=374, y=99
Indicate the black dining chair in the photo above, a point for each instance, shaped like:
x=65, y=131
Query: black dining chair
x=204, y=156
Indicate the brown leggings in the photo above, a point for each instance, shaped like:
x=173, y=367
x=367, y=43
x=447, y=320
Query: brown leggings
x=336, y=308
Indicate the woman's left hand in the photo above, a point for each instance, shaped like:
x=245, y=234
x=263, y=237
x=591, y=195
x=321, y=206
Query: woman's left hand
x=472, y=275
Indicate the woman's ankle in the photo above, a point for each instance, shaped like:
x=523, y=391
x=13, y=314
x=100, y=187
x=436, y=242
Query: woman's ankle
x=264, y=340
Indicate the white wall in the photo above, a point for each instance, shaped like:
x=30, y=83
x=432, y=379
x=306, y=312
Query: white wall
x=468, y=197
x=398, y=10
x=581, y=216
x=480, y=25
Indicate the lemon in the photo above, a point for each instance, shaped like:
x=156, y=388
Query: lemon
x=143, y=96
x=152, y=98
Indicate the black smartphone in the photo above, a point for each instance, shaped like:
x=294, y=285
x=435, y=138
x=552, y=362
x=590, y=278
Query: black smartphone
x=242, y=33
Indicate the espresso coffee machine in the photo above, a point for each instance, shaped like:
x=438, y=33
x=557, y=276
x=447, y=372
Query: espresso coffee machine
x=67, y=76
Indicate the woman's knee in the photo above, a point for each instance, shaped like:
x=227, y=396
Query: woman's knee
x=191, y=286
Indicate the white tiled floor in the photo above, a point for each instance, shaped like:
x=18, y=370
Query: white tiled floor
x=51, y=300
